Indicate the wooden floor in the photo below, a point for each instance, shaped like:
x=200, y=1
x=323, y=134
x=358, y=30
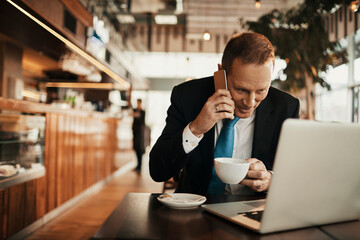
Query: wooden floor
x=84, y=219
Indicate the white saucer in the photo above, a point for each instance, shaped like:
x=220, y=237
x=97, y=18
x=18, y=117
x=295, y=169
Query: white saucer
x=182, y=200
x=8, y=176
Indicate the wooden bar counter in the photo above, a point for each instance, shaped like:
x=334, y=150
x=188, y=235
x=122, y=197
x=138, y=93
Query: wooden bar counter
x=80, y=150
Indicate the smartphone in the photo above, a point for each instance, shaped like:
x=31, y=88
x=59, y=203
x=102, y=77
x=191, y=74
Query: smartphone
x=220, y=80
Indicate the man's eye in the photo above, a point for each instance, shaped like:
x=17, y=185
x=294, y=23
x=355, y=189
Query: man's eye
x=241, y=90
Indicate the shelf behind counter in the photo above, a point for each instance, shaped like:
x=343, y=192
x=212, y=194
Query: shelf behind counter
x=35, y=107
x=81, y=149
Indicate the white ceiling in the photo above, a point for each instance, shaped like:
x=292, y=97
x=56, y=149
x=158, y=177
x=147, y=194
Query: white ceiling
x=217, y=16
x=224, y=16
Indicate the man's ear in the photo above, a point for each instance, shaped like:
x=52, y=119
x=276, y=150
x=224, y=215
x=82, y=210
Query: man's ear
x=219, y=67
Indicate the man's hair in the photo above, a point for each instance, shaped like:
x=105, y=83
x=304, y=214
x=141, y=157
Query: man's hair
x=250, y=48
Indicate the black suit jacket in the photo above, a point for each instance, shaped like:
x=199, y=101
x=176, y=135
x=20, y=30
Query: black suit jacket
x=168, y=158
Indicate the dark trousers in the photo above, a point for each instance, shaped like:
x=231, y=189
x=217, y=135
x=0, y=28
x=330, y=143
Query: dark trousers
x=139, y=155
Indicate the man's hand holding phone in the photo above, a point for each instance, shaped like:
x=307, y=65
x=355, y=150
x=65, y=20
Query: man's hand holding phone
x=219, y=106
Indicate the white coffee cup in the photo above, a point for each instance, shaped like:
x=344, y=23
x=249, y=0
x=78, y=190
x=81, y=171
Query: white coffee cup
x=231, y=170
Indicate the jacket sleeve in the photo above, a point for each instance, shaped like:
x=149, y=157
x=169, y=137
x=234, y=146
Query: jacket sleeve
x=167, y=157
x=297, y=109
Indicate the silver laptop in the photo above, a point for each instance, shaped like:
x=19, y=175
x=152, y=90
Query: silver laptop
x=316, y=180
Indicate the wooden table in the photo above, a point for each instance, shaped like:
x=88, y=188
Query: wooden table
x=142, y=216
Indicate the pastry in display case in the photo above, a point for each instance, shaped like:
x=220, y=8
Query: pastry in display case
x=21, y=144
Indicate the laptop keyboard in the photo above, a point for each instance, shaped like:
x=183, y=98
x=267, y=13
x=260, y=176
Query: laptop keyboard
x=255, y=215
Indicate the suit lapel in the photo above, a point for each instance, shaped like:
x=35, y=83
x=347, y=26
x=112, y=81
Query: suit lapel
x=263, y=131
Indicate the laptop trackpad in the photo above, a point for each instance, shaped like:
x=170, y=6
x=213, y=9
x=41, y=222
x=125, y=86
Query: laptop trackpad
x=231, y=209
x=249, y=206
x=257, y=203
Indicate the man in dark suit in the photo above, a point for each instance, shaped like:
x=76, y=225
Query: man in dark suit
x=185, y=149
x=138, y=128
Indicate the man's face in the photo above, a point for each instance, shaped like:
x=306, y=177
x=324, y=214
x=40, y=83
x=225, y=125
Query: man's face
x=249, y=85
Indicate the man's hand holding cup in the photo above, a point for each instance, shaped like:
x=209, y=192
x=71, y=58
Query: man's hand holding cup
x=258, y=177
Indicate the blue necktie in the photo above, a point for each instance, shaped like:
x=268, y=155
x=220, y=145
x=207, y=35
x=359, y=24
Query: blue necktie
x=224, y=148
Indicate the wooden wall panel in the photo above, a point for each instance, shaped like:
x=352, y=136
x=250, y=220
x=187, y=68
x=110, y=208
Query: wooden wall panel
x=102, y=149
x=16, y=206
x=30, y=203
x=79, y=151
x=81, y=154
x=107, y=147
x=97, y=140
x=3, y=213
x=89, y=160
x=114, y=140
x=51, y=148
x=78, y=156
x=87, y=155
x=67, y=162
x=41, y=202
x=60, y=160
x=72, y=163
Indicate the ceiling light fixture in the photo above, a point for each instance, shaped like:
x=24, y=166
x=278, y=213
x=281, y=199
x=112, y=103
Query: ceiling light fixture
x=126, y=18
x=166, y=19
x=206, y=36
x=257, y=4
x=354, y=5
x=109, y=86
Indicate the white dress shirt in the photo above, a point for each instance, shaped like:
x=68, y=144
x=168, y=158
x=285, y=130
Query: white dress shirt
x=243, y=140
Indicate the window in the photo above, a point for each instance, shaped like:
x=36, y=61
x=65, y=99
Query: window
x=69, y=21
x=158, y=35
x=107, y=56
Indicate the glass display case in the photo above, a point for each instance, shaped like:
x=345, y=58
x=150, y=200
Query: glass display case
x=21, y=148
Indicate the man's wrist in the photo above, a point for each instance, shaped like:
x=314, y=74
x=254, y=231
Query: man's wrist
x=190, y=141
x=193, y=131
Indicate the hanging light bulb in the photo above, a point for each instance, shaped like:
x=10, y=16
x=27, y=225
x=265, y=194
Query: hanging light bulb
x=354, y=5
x=206, y=36
x=257, y=4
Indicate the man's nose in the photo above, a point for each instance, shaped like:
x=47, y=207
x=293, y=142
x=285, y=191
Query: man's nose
x=250, y=100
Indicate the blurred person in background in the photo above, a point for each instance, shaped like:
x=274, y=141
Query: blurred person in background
x=138, y=128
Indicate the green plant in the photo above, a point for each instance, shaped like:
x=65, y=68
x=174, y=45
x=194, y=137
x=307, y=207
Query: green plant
x=299, y=37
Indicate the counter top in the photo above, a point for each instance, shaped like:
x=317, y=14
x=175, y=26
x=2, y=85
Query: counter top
x=27, y=175
x=34, y=107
